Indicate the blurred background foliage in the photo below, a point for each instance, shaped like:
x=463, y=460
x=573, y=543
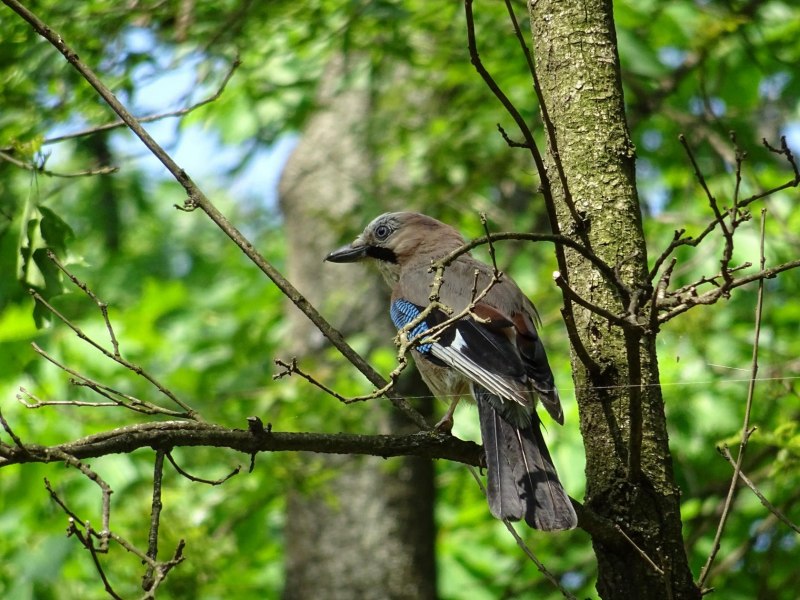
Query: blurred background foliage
x=189, y=308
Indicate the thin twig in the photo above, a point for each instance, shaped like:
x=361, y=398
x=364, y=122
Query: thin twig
x=132, y=403
x=641, y=552
x=549, y=128
x=746, y=429
x=87, y=541
x=190, y=412
x=557, y=239
x=10, y=432
x=39, y=403
x=191, y=477
x=727, y=231
x=40, y=168
x=544, y=178
x=154, y=117
x=103, y=306
x=155, y=519
x=694, y=241
x=713, y=296
x=402, y=341
x=726, y=453
x=521, y=543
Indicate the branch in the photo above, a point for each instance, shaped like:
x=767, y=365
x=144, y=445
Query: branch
x=197, y=199
x=191, y=477
x=590, y=306
x=40, y=168
x=726, y=453
x=559, y=240
x=154, y=117
x=713, y=296
x=746, y=429
x=155, y=520
x=170, y=434
x=548, y=124
x=734, y=211
x=546, y=187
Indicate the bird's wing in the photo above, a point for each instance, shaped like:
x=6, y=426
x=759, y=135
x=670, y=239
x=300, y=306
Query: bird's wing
x=481, y=350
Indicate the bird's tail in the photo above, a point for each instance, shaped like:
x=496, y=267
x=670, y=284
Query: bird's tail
x=522, y=480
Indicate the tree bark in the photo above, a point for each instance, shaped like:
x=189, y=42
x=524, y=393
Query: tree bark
x=368, y=531
x=578, y=69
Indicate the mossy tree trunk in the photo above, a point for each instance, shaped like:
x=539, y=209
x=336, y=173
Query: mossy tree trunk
x=590, y=167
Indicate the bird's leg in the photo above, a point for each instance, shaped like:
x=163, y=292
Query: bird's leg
x=445, y=424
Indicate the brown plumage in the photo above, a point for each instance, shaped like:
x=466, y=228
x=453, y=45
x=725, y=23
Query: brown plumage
x=498, y=358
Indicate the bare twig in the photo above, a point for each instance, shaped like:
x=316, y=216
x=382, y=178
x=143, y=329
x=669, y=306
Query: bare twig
x=10, y=432
x=191, y=477
x=155, y=520
x=118, y=398
x=103, y=306
x=496, y=272
x=641, y=552
x=40, y=168
x=713, y=296
x=523, y=546
x=87, y=541
x=784, y=150
x=735, y=211
x=746, y=429
x=402, y=341
x=548, y=125
x=292, y=369
x=190, y=412
x=726, y=453
x=546, y=186
x=39, y=403
x=154, y=117
x=727, y=231
x=160, y=570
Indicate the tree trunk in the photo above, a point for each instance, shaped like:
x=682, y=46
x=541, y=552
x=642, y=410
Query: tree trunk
x=578, y=69
x=367, y=532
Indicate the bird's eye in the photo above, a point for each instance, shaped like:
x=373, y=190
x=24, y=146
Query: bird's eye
x=382, y=232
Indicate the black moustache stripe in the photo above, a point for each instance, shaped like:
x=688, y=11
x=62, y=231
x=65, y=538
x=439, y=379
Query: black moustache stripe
x=384, y=254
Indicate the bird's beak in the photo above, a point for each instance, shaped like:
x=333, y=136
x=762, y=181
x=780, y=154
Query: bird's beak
x=350, y=253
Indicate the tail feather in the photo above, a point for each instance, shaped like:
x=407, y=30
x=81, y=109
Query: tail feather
x=522, y=480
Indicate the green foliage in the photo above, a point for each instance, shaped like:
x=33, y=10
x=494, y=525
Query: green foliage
x=188, y=309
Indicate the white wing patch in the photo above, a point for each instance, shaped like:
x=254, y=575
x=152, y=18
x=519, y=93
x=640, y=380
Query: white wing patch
x=453, y=357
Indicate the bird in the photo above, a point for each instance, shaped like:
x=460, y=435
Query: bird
x=491, y=352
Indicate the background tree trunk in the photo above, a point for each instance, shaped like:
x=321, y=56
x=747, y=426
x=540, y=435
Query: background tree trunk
x=368, y=531
x=578, y=68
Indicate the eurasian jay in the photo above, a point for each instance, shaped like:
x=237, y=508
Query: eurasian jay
x=493, y=351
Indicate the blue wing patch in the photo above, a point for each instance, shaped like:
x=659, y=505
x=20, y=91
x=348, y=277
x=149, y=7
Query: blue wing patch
x=402, y=313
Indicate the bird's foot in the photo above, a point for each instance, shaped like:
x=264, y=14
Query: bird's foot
x=445, y=425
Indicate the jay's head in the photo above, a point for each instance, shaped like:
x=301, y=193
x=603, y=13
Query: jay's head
x=394, y=239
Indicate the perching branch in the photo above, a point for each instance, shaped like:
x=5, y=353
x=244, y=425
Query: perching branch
x=173, y=434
